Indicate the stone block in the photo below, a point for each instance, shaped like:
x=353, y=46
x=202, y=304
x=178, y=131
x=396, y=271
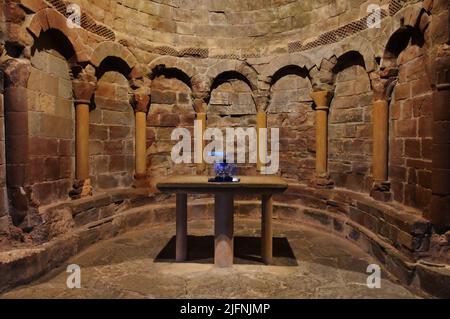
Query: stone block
x=406, y=128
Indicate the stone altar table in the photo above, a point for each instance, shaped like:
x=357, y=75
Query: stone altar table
x=224, y=193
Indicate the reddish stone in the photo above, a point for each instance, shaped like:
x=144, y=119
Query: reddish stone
x=160, y=97
x=420, y=86
x=117, y=163
x=51, y=168
x=424, y=178
x=441, y=132
x=43, y=146
x=402, y=91
x=438, y=214
x=412, y=177
x=16, y=99
x=422, y=197
x=441, y=157
x=423, y=106
x=65, y=147
x=65, y=167
x=397, y=190
x=17, y=149
x=441, y=181
x=419, y=164
x=397, y=173
x=425, y=127
x=412, y=148
x=17, y=175
x=36, y=171
x=16, y=123
x=113, y=147
x=396, y=148
x=427, y=149
x=183, y=98
x=98, y=132
x=406, y=128
x=441, y=111
x=118, y=132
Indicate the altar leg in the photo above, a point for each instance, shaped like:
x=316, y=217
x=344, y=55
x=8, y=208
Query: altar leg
x=223, y=226
x=181, y=244
x=266, y=228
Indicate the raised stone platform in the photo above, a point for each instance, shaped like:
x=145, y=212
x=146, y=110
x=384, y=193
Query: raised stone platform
x=140, y=264
x=74, y=226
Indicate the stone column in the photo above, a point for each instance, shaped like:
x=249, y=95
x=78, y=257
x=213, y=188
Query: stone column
x=322, y=100
x=83, y=91
x=21, y=204
x=261, y=122
x=381, y=187
x=201, y=167
x=383, y=83
x=141, y=103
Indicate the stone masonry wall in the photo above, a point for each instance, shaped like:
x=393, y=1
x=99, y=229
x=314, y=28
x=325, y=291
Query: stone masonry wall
x=171, y=107
x=4, y=217
x=411, y=131
x=231, y=105
x=111, y=140
x=350, y=130
x=291, y=111
x=51, y=118
x=223, y=26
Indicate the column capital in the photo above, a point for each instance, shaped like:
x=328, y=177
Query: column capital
x=322, y=99
x=83, y=91
x=200, y=105
x=383, y=83
x=262, y=100
x=16, y=72
x=140, y=101
x=84, y=85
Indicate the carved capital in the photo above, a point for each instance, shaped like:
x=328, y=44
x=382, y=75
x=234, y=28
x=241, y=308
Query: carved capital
x=83, y=91
x=200, y=105
x=262, y=101
x=383, y=83
x=84, y=85
x=322, y=99
x=140, y=100
x=16, y=72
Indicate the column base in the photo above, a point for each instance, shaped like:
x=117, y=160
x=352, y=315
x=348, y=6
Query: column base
x=324, y=182
x=81, y=189
x=381, y=191
x=141, y=181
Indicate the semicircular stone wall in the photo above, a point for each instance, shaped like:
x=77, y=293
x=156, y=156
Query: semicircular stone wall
x=223, y=27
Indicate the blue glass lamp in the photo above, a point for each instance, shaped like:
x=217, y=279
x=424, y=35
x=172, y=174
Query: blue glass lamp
x=224, y=171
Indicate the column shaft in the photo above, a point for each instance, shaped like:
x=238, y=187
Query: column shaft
x=141, y=144
x=261, y=122
x=82, y=142
x=201, y=116
x=380, y=140
x=321, y=141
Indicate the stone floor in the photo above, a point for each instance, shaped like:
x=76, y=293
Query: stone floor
x=139, y=264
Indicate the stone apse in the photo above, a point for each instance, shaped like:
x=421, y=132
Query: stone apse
x=87, y=114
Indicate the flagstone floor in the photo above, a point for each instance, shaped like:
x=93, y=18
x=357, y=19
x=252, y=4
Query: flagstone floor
x=139, y=264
